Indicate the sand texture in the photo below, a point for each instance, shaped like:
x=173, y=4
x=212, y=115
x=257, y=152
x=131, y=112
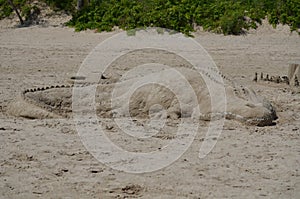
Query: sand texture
x=42, y=155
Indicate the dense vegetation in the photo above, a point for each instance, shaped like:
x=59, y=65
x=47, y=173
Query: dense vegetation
x=26, y=7
x=221, y=16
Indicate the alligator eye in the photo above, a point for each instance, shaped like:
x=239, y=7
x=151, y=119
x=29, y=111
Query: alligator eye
x=250, y=105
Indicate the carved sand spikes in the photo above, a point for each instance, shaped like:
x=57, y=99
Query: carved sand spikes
x=292, y=78
x=285, y=79
x=255, y=78
x=267, y=78
x=275, y=79
x=296, y=81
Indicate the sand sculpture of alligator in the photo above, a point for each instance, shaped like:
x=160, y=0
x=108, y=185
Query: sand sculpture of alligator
x=243, y=104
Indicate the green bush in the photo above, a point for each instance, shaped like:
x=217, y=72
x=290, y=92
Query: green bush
x=25, y=8
x=66, y=5
x=221, y=16
x=5, y=9
x=286, y=12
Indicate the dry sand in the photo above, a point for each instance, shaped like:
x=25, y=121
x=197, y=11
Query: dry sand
x=46, y=158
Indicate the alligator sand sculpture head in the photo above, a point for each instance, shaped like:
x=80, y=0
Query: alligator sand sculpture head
x=242, y=104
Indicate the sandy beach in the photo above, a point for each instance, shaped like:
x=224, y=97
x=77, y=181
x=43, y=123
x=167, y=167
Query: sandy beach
x=45, y=158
